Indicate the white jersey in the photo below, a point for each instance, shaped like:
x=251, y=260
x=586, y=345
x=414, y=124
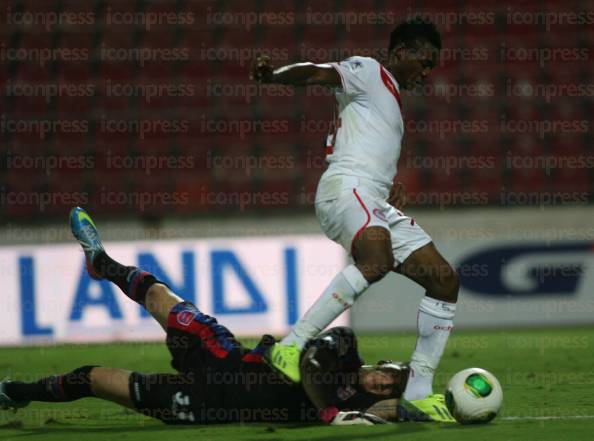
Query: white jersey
x=368, y=131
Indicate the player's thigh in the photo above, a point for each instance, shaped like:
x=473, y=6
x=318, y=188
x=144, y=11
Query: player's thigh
x=346, y=218
x=372, y=252
x=196, y=340
x=159, y=302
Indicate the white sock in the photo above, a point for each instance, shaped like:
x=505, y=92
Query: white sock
x=340, y=295
x=434, y=325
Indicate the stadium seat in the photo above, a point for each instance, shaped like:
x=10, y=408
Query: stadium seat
x=194, y=188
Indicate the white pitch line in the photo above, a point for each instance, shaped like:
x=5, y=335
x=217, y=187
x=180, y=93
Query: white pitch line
x=547, y=418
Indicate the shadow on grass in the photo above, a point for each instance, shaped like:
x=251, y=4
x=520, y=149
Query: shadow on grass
x=44, y=431
x=271, y=435
x=397, y=429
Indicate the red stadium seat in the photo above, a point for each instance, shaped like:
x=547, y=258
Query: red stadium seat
x=528, y=180
x=118, y=71
x=320, y=44
x=32, y=73
x=113, y=41
x=198, y=41
x=157, y=71
x=37, y=107
x=82, y=45
x=573, y=177
x=194, y=188
x=75, y=73
x=159, y=38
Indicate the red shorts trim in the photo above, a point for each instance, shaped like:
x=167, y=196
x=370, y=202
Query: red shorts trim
x=360, y=231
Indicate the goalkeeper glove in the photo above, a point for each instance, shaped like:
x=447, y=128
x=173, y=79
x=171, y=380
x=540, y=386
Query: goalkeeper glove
x=352, y=418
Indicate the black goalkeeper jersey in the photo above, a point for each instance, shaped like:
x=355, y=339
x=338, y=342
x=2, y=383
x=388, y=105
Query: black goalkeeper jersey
x=219, y=380
x=336, y=378
x=260, y=394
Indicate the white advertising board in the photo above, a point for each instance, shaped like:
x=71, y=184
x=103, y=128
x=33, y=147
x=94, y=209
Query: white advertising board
x=504, y=283
x=251, y=285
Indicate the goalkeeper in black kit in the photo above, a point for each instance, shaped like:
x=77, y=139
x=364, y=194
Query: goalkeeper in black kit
x=217, y=379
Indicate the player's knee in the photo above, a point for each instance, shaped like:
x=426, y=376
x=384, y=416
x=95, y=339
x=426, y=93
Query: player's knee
x=383, y=265
x=157, y=289
x=448, y=286
x=374, y=269
x=91, y=373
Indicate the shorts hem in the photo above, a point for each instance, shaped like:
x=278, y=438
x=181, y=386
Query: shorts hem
x=402, y=257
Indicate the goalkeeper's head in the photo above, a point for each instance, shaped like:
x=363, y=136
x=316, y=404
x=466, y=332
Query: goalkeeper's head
x=386, y=379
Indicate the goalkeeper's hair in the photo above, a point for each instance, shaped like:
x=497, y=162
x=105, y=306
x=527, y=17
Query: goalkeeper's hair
x=413, y=30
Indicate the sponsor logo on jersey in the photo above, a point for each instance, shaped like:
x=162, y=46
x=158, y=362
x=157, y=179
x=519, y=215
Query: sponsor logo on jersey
x=184, y=318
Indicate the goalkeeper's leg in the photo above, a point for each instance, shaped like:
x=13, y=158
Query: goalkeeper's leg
x=86, y=381
x=140, y=286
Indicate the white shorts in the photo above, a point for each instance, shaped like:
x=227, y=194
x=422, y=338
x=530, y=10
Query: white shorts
x=354, y=209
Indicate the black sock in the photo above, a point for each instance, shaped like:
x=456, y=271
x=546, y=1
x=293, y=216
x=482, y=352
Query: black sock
x=57, y=388
x=131, y=280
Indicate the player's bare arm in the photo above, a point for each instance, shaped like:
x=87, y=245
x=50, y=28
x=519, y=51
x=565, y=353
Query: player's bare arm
x=299, y=74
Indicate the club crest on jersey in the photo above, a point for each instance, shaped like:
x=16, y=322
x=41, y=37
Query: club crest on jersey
x=184, y=318
x=344, y=393
x=379, y=214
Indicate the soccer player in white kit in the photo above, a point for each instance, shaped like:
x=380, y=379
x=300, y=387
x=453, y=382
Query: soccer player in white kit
x=357, y=201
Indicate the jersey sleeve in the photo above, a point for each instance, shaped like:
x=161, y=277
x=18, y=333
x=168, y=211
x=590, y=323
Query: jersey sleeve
x=357, y=74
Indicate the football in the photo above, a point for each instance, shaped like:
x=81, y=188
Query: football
x=474, y=396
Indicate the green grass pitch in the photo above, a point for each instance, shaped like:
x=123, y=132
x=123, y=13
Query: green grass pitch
x=547, y=377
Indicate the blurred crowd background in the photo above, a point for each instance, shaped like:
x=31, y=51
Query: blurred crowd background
x=144, y=108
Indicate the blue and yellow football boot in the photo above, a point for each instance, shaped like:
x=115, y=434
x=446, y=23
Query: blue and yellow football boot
x=84, y=230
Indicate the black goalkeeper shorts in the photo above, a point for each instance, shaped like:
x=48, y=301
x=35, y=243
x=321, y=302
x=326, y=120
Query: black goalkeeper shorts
x=200, y=347
x=171, y=398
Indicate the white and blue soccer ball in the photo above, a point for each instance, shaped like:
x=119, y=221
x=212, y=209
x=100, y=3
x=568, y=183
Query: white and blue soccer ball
x=474, y=396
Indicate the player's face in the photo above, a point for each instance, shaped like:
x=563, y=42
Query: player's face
x=378, y=383
x=410, y=66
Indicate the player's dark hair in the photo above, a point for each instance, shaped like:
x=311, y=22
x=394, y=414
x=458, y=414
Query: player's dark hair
x=414, y=29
